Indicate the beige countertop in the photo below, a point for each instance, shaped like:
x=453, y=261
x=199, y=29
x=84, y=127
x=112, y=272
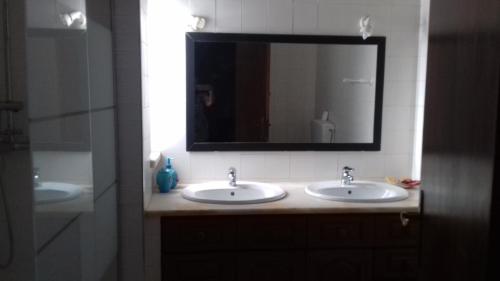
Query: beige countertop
x=296, y=202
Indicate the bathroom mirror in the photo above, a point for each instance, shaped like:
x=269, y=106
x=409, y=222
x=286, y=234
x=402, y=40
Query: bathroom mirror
x=284, y=92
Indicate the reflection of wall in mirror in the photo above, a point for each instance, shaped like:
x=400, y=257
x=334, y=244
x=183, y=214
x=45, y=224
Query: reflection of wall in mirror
x=351, y=106
x=64, y=166
x=293, y=87
x=58, y=90
x=307, y=80
x=47, y=13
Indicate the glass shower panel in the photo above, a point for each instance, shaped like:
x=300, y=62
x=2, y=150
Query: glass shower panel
x=71, y=111
x=16, y=214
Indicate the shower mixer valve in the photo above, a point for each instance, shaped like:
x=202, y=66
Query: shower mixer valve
x=11, y=106
x=12, y=139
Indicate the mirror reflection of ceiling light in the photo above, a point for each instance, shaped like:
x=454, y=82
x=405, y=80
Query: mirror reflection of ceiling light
x=196, y=23
x=365, y=27
x=74, y=19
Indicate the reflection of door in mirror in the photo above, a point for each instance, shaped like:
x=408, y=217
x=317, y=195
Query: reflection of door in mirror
x=232, y=92
x=215, y=86
x=252, y=92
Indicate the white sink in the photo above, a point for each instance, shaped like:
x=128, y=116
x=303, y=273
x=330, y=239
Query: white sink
x=245, y=192
x=357, y=191
x=53, y=192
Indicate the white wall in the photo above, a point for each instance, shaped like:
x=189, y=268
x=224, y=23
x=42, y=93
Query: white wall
x=293, y=92
x=423, y=42
x=132, y=114
x=397, y=20
x=147, y=173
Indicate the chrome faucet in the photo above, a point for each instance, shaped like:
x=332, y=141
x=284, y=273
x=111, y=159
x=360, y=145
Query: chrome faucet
x=36, y=177
x=347, y=178
x=232, y=176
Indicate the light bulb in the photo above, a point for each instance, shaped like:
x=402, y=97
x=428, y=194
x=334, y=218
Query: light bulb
x=196, y=23
x=75, y=18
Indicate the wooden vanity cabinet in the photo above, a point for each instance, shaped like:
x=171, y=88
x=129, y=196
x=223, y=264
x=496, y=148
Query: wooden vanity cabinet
x=360, y=247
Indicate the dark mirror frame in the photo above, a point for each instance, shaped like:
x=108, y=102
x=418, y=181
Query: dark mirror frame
x=194, y=37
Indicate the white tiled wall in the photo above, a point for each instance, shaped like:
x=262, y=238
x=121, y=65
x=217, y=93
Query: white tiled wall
x=130, y=108
x=146, y=135
x=398, y=20
x=423, y=41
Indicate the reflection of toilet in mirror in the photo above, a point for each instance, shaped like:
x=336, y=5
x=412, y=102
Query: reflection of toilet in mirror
x=322, y=130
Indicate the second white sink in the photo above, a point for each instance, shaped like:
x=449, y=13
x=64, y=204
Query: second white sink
x=357, y=191
x=221, y=192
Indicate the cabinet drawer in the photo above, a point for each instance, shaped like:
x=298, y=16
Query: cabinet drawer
x=198, y=234
x=271, y=266
x=339, y=231
x=395, y=265
x=339, y=265
x=199, y=267
x=390, y=231
x=271, y=232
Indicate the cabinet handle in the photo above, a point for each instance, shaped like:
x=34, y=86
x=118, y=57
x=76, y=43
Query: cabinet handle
x=404, y=220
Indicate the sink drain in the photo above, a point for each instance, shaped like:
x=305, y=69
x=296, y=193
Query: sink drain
x=232, y=193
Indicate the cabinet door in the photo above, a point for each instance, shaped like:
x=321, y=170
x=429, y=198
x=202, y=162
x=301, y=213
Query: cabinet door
x=389, y=231
x=199, y=267
x=271, y=266
x=198, y=234
x=271, y=232
x=395, y=265
x=340, y=231
x=345, y=265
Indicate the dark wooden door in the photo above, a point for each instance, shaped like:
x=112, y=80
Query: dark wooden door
x=460, y=139
x=339, y=265
x=252, y=92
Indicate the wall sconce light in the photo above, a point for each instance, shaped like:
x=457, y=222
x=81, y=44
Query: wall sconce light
x=196, y=23
x=76, y=18
x=365, y=27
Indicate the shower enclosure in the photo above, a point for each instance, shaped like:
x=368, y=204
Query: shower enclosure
x=58, y=210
